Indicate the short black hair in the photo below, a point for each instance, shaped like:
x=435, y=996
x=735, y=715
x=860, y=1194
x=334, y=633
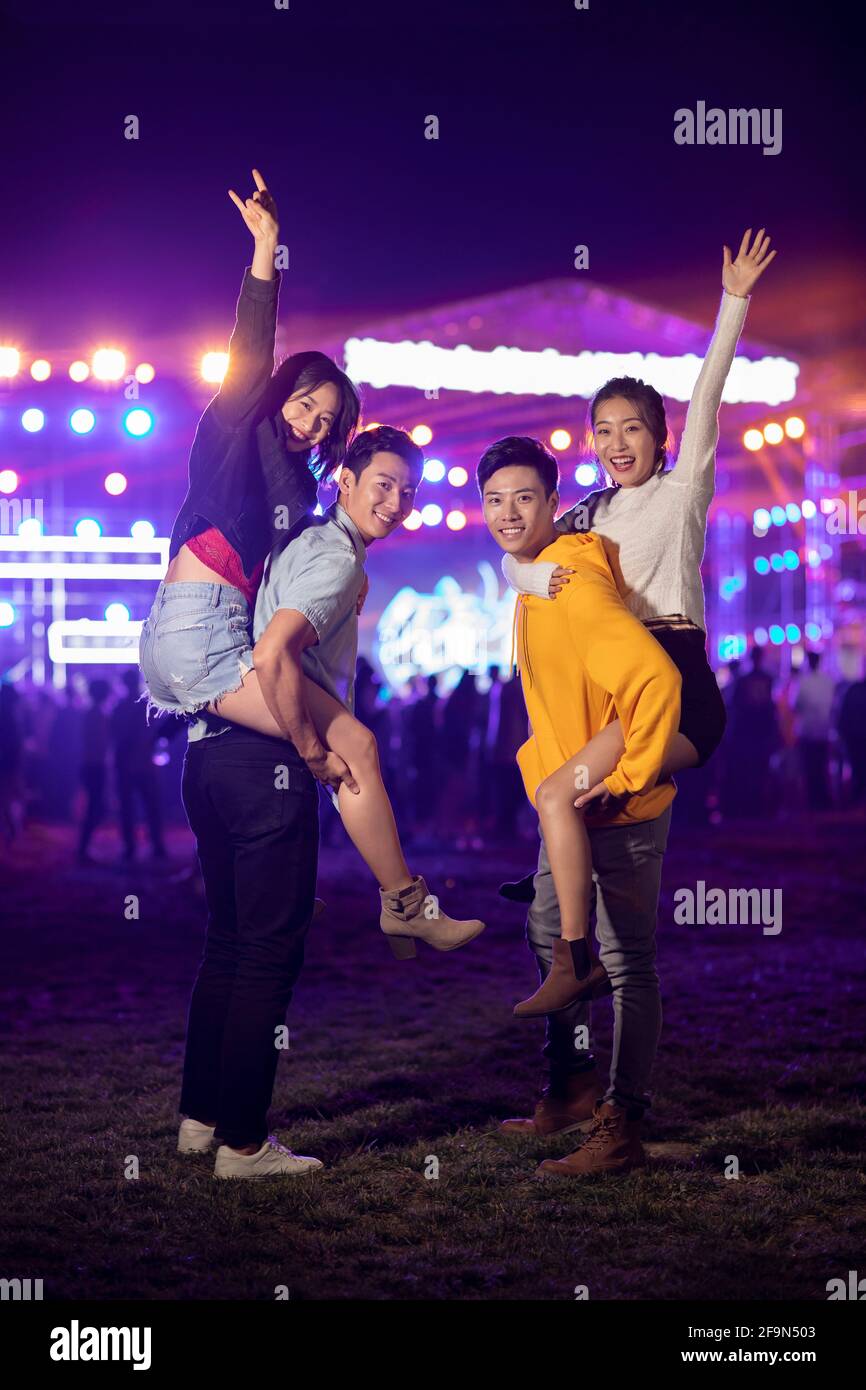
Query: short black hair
x=383, y=439
x=520, y=451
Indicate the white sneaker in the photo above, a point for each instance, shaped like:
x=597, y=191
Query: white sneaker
x=194, y=1138
x=271, y=1161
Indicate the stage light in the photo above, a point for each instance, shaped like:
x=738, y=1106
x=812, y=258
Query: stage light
x=10, y=361
x=813, y=631
x=109, y=364
x=792, y=560
x=792, y=632
x=825, y=551
x=33, y=420
x=144, y=373
x=813, y=559
x=115, y=484
x=7, y=614
x=778, y=516
x=792, y=511
x=434, y=470
x=40, y=370
x=214, y=366
x=762, y=565
x=87, y=529
x=117, y=613
x=752, y=440
x=560, y=440
x=455, y=521
x=809, y=509
x=82, y=421
x=373, y=425
x=585, y=474
x=761, y=636
x=761, y=518
x=30, y=528
x=773, y=433
x=795, y=428
x=777, y=563
x=457, y=476
x=431, y=515
x=79, y=371
x=142, y=530
x=138, y=422
x=421, y=435
x=413, y=521
x=777, y=635
x=8, y=480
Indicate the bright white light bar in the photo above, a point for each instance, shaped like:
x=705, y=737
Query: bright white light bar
x=512, y=371
x=88, y=642
x=83, y=569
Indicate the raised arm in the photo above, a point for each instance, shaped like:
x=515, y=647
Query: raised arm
x=695, y=467
x=251, y=347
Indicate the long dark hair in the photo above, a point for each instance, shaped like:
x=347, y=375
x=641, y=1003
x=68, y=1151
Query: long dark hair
x=304, y=371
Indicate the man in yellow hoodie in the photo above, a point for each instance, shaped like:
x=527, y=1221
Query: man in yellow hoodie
x=584, y=661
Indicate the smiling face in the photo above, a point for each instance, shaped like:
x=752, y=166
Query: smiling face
x=624, y=444
x=381, y=497
x=518, y=515
x=310, y=415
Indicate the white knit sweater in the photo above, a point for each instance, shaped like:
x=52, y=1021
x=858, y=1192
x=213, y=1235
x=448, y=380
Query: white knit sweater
x=656, y=532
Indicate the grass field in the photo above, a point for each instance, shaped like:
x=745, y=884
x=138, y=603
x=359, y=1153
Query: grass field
x=392, y=1063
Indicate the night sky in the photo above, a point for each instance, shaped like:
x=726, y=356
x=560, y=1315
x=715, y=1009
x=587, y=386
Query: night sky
x=556, y=128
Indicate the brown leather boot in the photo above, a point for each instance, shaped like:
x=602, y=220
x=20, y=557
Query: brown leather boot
x=562, y=986
x=413, y=914
x=611, y=1146
x=563, y=1106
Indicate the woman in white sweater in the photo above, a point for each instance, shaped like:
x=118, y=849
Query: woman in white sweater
x=653, y=518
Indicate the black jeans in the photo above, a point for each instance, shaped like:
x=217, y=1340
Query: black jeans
x=253, y=808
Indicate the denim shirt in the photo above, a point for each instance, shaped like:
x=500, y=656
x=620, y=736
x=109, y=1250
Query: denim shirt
x=319, y=573
x=240, y=468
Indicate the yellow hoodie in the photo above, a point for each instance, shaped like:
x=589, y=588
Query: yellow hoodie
x=584, y=661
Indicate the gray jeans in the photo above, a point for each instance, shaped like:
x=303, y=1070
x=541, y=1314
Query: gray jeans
x=626, y=873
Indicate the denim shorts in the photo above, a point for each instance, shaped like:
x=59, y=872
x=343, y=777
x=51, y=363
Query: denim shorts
x=195, y=646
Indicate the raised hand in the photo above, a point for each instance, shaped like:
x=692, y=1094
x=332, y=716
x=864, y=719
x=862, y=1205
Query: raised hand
x=259, y=212
x=738, y=276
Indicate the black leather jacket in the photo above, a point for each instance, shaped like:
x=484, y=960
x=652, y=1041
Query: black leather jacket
x=240, y=469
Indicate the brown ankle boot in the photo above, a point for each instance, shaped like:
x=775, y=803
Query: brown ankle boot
x=562, y=987
x=564, y=1106
x=611, y=1146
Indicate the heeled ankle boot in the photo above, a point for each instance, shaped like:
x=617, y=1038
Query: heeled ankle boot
x=563, y=984
x=413, y=914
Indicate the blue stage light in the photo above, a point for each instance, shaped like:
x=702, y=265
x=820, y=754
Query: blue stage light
x=87, y=529
x=7, y=614
x=778, y=516
x=431, y=515
x=585, y=474
x=117, y=613
x=138, y=422
x=792, y=511
x=761, y=636
x=792, y=559
x=792, y=632
x=30, y=527
x=777, y=563
x=142, y=530
x=762, y=564
x=777, y=635
x=813, y=631
x=434, y=470
x=761, y=518
x=82, y=421
x=33, y=420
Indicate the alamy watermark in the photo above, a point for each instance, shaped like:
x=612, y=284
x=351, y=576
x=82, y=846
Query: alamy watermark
x=736, y=126
x=723, y=907
x=14, y=510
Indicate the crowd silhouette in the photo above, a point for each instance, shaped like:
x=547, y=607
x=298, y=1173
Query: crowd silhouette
x=88, y=756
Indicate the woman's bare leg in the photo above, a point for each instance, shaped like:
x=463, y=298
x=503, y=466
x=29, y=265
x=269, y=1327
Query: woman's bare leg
x=562, y=825
x=367, y=814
